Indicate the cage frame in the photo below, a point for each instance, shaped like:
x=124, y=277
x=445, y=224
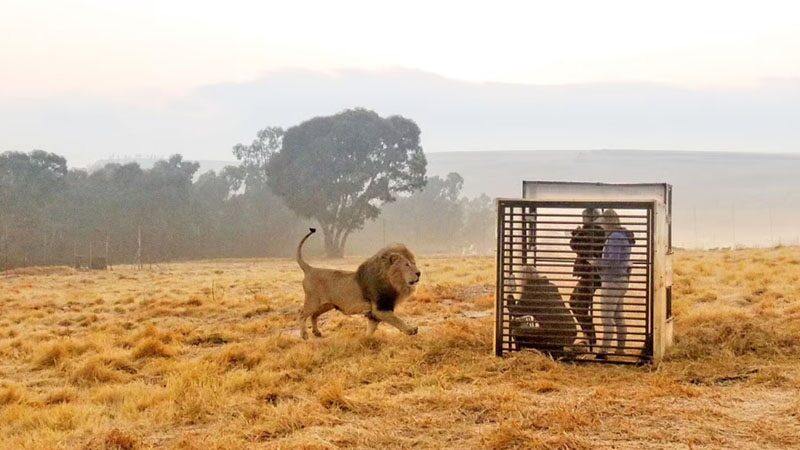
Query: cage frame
x=656, y=200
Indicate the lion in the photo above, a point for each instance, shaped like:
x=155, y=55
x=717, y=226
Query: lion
x=540, y=320
x=378, y=285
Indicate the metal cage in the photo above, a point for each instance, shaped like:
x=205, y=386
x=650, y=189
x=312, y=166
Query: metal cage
x=553, y=297
x=549, y=301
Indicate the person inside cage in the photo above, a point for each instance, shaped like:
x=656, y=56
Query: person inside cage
x=614, y=266
x=587, y=242
x=540, y=320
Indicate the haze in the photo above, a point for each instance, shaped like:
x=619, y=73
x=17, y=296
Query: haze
x=90, y=79
x=118, y=48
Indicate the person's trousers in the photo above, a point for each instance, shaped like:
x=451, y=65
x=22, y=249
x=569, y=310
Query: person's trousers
x=613, y=313
x=580, y=302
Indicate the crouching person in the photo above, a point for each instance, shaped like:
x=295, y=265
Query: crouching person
x=539, y=318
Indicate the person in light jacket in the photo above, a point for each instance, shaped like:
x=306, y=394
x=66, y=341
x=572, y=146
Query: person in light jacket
x=614, y=266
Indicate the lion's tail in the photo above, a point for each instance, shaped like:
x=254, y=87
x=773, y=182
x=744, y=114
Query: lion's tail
x=304, y=265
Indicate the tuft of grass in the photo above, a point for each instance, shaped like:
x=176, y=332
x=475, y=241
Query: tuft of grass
x=58, y=396
x=114, y=440
x=152, y=348
x=196, y=393
x=507, y=435
x=95, y=371
x=11, y=394
x=288, y=417
x=56, y=353
x=261, y=311
x=725, y=331
x=238, y=356
x=210, y=340
x=331, y=396
x=545, y=386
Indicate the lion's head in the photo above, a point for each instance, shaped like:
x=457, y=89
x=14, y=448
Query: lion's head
x=400, y=268
x=392, y=269
x=402, y=272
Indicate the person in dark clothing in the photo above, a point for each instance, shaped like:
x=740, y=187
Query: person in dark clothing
x=587, y=243
x=540, y=320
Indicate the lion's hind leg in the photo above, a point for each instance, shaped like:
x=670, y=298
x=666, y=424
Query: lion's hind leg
x=322, y=310
x=310, y=306
x=303, y=317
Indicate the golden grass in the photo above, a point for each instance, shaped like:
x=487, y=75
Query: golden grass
x=205, y=355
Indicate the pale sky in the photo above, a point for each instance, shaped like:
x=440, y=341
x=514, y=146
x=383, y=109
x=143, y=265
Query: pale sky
x=120, y=49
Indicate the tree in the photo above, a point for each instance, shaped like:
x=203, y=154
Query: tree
x=30, y=179
x=339, y=170
x=254, y=157
x=211, y=202
x=47, y=212
x=436, y=212
x=479, y=223
x=168, y=192
x=431, y=218
x=29, y=184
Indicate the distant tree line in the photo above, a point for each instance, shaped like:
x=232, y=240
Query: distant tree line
x=438, y=219
x=49, y=212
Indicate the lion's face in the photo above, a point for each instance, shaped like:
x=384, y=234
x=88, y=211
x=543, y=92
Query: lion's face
x=403, y=272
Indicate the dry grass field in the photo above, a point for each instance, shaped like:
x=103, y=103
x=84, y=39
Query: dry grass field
x=205, y=355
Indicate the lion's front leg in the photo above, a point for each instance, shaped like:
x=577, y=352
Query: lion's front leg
x=390, y=318
x=372, y=325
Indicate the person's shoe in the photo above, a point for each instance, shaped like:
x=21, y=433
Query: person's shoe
x=600, y=357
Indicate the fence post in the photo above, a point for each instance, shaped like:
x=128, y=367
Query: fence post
x=139, y=250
